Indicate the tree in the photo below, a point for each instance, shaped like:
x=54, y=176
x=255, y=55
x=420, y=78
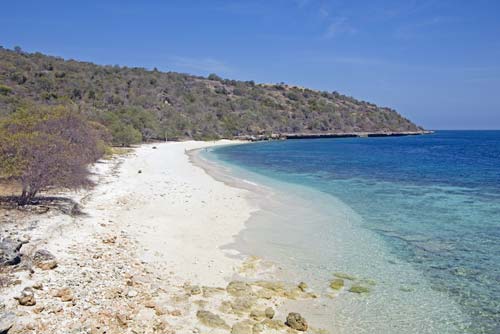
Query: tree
x=48, y=147
x=125, y=134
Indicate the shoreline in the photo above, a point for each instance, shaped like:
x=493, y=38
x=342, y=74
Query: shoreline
x=147, y=254
x=277, y=233
x=307, y=135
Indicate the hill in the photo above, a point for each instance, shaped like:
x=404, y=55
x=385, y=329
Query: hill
x=135, y=103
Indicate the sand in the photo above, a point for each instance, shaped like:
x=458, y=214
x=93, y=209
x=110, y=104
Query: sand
x=146, y=255
x=180, y=215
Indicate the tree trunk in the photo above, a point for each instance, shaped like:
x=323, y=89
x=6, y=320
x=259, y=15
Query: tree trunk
x=23, y=199
x=26, y=196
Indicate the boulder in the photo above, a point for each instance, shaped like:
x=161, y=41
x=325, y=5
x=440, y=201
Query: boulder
x=239, y=289
x=65, y=294
x=258, y=328
x=356, y=288
x=296, y=321
x=211, y=291
x=27, y=297
x=9, y=252
x=242, y=305
x=274, y=325
x=346, y=276
x=44, y=259
x=302, y=286
x=337, y=283
x=243, y=327
x=269, y=312
x=7, y=320
x=210, y=319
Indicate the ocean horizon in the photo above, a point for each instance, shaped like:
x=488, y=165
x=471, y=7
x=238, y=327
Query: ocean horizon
x=414, y=220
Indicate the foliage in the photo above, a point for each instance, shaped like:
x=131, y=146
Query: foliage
x=183, y=106
x=50, y=146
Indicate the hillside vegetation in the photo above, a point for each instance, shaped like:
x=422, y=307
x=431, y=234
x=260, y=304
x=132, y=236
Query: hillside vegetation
x=137, y=104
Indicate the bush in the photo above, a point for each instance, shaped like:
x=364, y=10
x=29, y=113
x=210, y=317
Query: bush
x=48, y=147
x=125, y=134
x=5, y=90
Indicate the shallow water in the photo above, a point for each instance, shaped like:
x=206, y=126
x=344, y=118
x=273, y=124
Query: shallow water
x=418, y=215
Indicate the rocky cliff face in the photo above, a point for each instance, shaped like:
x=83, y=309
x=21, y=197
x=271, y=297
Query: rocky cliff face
x=178, y=105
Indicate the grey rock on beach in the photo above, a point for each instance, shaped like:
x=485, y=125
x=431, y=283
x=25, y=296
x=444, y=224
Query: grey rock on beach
x=9, y=252
x=7, y=320
x=296, y=321
x=44, y=259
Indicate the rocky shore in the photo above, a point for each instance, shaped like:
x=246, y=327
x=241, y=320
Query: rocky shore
x=312, y=135
x=101, y=269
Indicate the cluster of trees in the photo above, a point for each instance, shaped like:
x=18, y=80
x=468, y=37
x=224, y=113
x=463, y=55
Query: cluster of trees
x=130, y=101
x=46, y=147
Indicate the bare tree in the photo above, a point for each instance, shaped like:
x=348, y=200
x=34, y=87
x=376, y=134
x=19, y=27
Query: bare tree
x=48, y=147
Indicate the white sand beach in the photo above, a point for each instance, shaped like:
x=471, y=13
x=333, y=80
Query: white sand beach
x=179, y=214
x=145, y=256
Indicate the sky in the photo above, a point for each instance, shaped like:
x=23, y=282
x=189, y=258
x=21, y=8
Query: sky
x=437, y=62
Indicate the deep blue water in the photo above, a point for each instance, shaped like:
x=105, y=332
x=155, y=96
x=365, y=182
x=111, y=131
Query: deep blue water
x=433, y=199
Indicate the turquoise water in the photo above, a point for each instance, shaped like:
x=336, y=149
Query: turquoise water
x=418, y=215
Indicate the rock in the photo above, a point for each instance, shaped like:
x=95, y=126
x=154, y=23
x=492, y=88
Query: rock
x=273, y=286
x=38, y=286
x=154, y=147
x=258, y=328
x=303, y=286
x=257, y=315
x=27, y=297
x=296, y=321
x=269, y=312
x=160, y=310
x=274, y=289
x=243, y=327
x=201, y=303
x=7, y=320
x=273, y=324
x=242, y=305
x=122, y=319
x=132, y=294
x=294, y=293
x=265, y=294
x=211, y=291
x=9, y=252
x=345, y=276
x=40, y=209
x=65, y=294
x=38, y=309
x=261, y=314
x=239, y=289
x=139, y=171
x=44, y=259
x=211, y=320
x=109, y=240
x=149, y=304
x=194, y=290
x=175, y=313
x=356, y=288
x=337, y=283
x=225, y=307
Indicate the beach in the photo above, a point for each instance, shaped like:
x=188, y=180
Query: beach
x=144, y=255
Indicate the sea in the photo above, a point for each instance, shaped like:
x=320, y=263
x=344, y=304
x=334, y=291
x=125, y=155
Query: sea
x=415, y=220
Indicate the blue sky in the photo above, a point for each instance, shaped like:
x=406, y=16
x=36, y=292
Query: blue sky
x=436, y=62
